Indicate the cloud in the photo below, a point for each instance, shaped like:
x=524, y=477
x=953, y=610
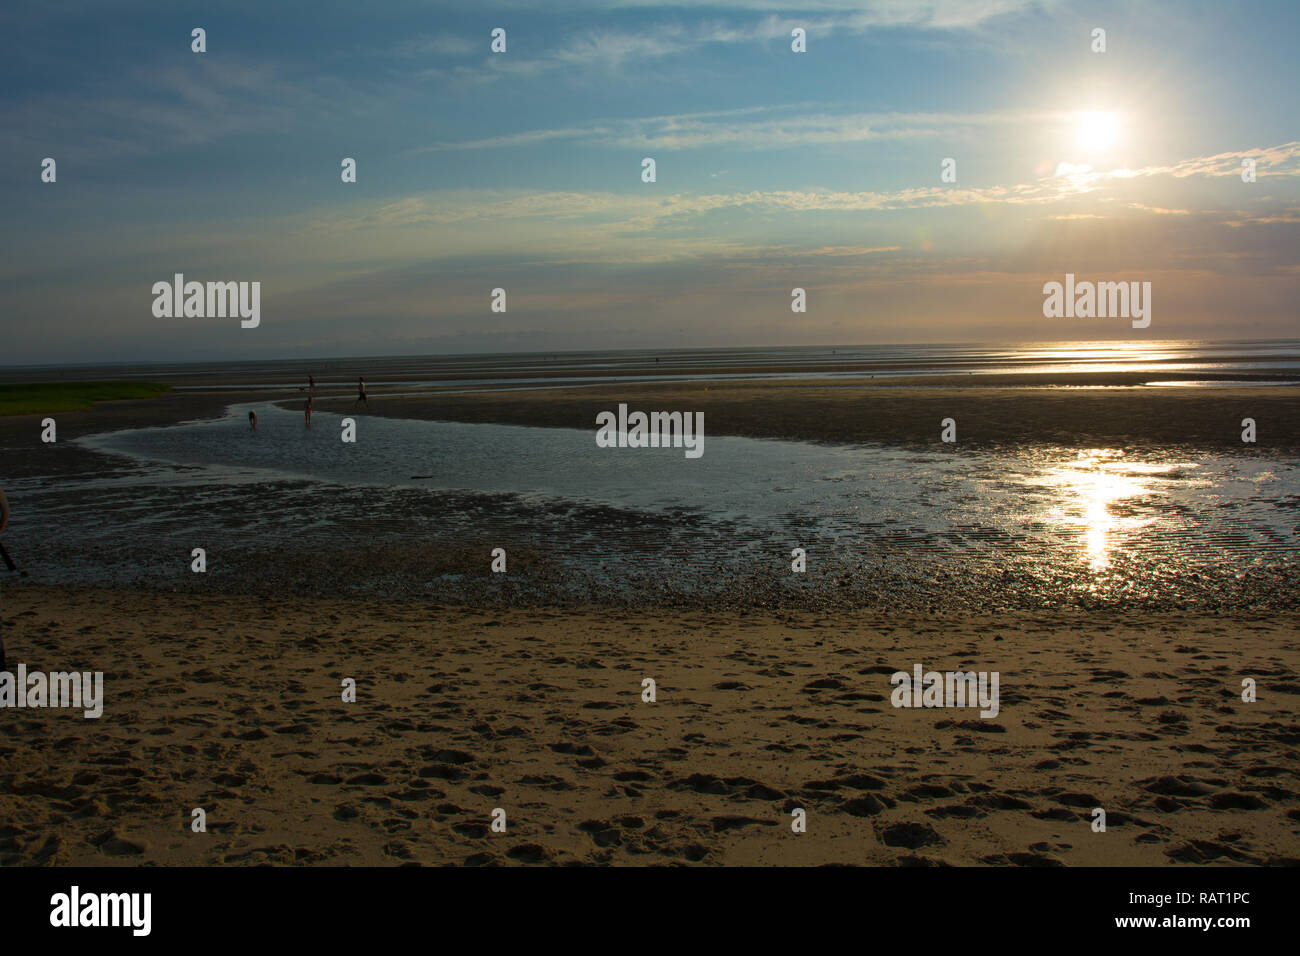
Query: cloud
x=1158, y=211
x=1243, y=219
x=755, y=128
x=1281, y=160
x=832, y=251
x=173, y=105
x=633, y=213
x=611, y=49
x=441, y=44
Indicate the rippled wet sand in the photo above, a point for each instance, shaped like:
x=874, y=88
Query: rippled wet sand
x=881, y=527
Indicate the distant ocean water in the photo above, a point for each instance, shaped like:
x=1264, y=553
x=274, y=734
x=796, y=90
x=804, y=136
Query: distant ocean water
x=1188, y=359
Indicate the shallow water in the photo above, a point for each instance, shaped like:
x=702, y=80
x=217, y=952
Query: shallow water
x=383, y=373
x=1095, y=507
x=414, y=508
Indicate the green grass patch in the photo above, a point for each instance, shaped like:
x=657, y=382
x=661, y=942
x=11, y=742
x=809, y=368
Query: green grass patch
x=39, y=398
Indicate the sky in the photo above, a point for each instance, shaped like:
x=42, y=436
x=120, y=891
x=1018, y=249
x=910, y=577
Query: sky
x=522, y=170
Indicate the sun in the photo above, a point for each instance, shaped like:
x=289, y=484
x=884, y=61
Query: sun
x=1096, y=132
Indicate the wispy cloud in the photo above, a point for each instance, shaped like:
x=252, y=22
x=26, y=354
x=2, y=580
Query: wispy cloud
x=648, y=211
x=1158, y=210
x=757, y=128
x=611, y=49
x=1284, y=217
x=441, y=44
x=171, y=106
x=1282, y=160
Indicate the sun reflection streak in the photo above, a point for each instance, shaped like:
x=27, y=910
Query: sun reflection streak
x=1089, y=487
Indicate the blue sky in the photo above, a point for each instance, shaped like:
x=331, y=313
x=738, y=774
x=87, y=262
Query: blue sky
x=522, y=170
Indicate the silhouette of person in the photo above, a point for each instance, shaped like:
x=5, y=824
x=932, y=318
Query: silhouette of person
x=4, y=520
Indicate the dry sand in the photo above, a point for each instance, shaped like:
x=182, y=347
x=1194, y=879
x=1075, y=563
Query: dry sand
x=234, y=705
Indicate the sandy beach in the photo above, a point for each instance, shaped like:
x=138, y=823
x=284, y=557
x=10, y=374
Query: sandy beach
x=223, y=691
x=234, y=706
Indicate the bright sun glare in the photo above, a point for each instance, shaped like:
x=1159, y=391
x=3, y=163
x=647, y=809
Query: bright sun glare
x=1096, y=132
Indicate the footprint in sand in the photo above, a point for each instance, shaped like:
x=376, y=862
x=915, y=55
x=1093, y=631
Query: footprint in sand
x=528, y=853
x=114, y=844
x=909, y=835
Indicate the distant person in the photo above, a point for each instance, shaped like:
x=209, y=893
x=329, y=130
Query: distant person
x=361, y=391
x=311, y=384
x=307, y=411
x=252, y=420
x=4, y=520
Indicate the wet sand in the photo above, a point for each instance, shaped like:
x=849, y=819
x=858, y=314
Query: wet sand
x=234, y=706
x=270, y=539
x=430, y=545
x=990, y=411
x=24, y=454
x=987, y=413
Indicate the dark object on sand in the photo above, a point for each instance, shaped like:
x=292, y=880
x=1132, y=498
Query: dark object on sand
x=9, y=562
x=4, y=520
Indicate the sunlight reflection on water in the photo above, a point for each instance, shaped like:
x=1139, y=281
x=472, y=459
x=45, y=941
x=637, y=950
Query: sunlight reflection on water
x=1052, y=505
